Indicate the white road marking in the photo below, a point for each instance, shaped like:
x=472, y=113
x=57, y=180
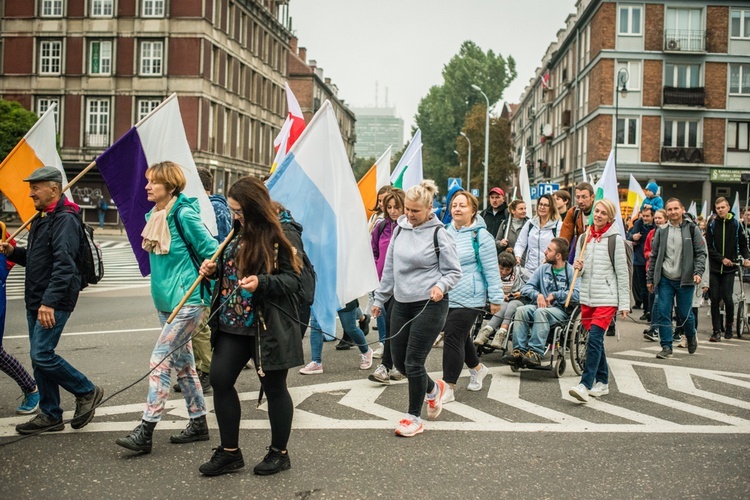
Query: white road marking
x=97, y=332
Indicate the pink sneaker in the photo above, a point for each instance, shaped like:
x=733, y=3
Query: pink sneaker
x=365, y=360
x=409, y=426
x=312, y=368
x=435, y=405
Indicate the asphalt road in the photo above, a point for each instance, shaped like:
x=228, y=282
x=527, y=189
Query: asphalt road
x=670, y=429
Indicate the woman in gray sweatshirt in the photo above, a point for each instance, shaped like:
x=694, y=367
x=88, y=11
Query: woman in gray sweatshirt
x=421, y=266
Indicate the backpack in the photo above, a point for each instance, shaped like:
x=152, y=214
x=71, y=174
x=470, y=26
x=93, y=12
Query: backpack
x=309, y=279
x=611, y=242
x=90, y=262
x=554, y=230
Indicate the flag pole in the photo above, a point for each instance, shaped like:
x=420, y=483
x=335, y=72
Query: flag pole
x=200, y=278
x=65, y=188
x=510, y=217
x=577, y=271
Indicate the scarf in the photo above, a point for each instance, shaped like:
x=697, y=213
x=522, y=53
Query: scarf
x=156, y=236
x=597, y=235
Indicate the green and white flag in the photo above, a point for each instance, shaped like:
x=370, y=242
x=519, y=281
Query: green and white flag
x=408, y=172
x=606, y=187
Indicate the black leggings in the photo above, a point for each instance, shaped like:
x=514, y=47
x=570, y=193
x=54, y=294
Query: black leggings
x=231, y=353
x=458, y=346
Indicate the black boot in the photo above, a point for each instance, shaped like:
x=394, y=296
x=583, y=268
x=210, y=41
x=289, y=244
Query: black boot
x=196, y=430
x=140, y=439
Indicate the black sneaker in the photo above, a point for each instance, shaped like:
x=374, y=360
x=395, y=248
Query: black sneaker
x=205, y=382
x=275, y=461
x=644, y=316
x=677, y=337
x=86, y=407
x=611, y=332
x=513, y=359
x=40, y=423
x=715, y=337
x=532, y=359
x=364, y=324
x=692, y=344
x=728, y=333
x=223, y=462
x=651, y=335
x=666, y=352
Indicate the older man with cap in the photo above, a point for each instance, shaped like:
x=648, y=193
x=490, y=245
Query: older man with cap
x=497, y=212
x=53, y=281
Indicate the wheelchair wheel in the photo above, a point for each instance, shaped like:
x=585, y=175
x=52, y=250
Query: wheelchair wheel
x=559, y=367
x=742, y=327
x=578, y=346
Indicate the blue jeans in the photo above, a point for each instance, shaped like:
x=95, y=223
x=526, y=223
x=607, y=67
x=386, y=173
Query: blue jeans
x=595, y=369
x=534, y=337
x=316, y=340
x=349, y=324
x=380, y=321
x=51, y=371
x=666, y=292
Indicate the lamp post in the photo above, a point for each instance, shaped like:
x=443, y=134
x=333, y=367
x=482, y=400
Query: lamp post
x=468, y=164
x=486, y=142
x=622, y=78
x=459, y=158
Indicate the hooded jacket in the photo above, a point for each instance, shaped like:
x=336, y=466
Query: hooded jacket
x=534, y=239
x=639, y=227
x=495, y=219
x=545, y=281
x=479, y=281
x=725, y=239
x=693, y=253
x=412, y=267
x=444, y=214
x=223, y=216
x=51, y=258
x=601, y=284
x=173, y=273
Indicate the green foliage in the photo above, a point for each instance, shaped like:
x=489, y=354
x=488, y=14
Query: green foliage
x=442, y=112
x=15, y=121
x=360, y=166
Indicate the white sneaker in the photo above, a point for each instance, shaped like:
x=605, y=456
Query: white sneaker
x=499, y=339
x=477, y=377
x=380, y=375
x=580, y=393
x=683, y=342
x=312, y=368
x=409, y=426
x=435, y=404
x=599, y=389
x=365, y=360
x=395, y=374
x=448, y=396
x=379, y=351
x=484, y=335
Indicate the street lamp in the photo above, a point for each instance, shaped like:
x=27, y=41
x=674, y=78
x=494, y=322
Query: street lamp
x=622, y=79
x=468, y=164
x=459, y=158
x=486, y=141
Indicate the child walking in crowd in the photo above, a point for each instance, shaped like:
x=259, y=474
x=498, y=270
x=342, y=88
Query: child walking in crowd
x=421, y=267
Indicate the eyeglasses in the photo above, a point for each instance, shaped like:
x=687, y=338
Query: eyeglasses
x=237, y=213
x=543, y=205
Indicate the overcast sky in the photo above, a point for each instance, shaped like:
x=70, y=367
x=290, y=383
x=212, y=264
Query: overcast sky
x=403, y=44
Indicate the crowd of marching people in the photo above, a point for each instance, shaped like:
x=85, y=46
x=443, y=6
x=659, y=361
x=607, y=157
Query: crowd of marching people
x=440, y=273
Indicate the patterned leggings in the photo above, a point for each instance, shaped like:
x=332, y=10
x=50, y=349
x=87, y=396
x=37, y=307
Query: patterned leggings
x=13, y=368
x=182, y=360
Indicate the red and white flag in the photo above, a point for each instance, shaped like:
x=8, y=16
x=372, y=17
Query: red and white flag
x=291, y=130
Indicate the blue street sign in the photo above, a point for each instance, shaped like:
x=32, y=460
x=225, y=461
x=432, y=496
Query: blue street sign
x=546, y=189
x=534, y=192
x=454, y=182
x=475, y=192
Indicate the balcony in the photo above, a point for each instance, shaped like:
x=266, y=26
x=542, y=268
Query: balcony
x=676, y=154
x=97, y=140
x=685, y=96
x=684, y=41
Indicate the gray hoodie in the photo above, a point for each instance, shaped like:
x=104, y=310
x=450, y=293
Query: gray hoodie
x=412, y=267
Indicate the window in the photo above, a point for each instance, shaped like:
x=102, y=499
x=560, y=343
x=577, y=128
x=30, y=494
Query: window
x=151, y=58
x=100, y=57
x=52, y=8
x=683, y=30
x=630, y=20
x=102, y=8
x=43, y=104
x=684, y=76
x=50, y=57
x=740, y=24
x=145, y=106
x=97, y=123
x=627, y=131
x=738, y=136
x=634, y=74
x=681, y=134
x=739, y=79
x=152, y=8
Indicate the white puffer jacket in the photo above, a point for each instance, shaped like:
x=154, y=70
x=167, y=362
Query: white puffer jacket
x=601, y=285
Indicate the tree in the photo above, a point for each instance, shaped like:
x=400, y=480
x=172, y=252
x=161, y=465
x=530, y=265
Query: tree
x=442, y=112
x=15, y=121
x=360, y=166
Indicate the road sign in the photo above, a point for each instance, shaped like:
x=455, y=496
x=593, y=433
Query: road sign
x=454, y=182
x=475, y=192
x=547, y=188
x=534, y=192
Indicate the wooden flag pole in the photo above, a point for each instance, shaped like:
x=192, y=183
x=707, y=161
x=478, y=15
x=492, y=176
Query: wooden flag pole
x=575, y=274
x=65, y=188
x=2, y=232
x=199, y=278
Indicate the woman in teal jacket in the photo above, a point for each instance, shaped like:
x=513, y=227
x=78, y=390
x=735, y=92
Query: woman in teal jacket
x=177, y=242
x=480, y=280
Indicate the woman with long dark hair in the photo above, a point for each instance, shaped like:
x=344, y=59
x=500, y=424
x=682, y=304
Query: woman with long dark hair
x=253, y=317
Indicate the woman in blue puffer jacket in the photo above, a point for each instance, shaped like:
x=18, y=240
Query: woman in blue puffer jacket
x=480, y=280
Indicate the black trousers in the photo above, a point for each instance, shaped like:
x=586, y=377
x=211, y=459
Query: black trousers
x=721, y=287
x=640, y=292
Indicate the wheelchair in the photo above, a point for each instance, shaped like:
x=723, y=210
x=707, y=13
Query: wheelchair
x=564, y=338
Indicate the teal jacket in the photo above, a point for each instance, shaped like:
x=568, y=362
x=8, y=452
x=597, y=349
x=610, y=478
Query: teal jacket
x=173, y=273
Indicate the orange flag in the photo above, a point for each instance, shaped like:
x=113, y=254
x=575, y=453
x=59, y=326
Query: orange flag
x=375, y=178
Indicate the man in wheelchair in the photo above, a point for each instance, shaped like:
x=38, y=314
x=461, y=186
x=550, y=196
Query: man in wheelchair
x=548, y=290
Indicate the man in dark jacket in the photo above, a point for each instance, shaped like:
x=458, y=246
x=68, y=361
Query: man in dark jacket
x=497, y=212
x=637, y=234
x=53, y=281
x=726, y=242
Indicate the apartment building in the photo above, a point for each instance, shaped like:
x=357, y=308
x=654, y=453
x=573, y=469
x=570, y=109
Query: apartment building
x=666, y=83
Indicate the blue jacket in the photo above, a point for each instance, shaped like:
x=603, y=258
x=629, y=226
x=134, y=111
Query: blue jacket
x=656, y=203
x=543, y=281
x=223, y=217
x=480, y=279
x=444, y=214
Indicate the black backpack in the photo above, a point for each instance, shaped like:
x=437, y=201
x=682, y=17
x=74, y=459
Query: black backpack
x=90, y=262
x=309, y=279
